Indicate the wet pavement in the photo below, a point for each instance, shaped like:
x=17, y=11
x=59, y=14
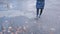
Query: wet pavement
x=18, y=17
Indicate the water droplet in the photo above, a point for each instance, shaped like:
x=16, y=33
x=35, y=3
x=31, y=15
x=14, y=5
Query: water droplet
x=10, y=27
x=6, y=20
x=26, y=22
x=52, y=29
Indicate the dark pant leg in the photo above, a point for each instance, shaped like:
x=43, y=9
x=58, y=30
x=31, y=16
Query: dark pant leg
x=37, y=11
x=41, y=11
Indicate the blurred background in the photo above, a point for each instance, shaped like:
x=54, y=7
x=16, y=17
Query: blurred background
x=18, y=17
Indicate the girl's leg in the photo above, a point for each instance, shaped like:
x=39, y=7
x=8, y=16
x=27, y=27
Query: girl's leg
x=40, y=12
x=37, y=11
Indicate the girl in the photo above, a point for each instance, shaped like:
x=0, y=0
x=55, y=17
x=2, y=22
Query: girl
x=40, y=6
